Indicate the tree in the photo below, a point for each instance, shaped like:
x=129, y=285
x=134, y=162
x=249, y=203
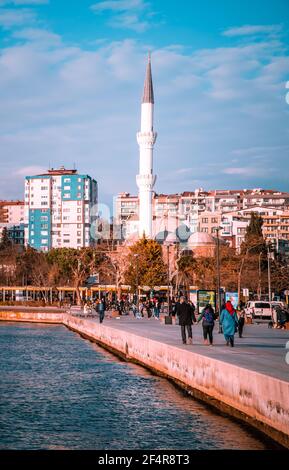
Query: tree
x=75, y=265
x=114, y=264
x=5, y=240
x=146, y=266
x=186, y=267
x=254, y=240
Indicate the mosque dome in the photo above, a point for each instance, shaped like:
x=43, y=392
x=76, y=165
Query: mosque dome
x=172, y=238
x=200, y=239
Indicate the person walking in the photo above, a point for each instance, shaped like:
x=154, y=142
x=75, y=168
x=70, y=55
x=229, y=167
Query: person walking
x=208, y=317
x=184, y=312
x=241, y=322
x=101, y=310
x=229, y=322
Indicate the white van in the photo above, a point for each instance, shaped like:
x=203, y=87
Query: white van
x=258, y=309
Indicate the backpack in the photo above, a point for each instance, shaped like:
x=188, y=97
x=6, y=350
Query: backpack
x=208, y=317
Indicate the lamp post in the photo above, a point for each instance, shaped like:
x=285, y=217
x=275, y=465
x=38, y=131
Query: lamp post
x=171, y=241
x=218, y=271
x=168, y=278
x=259, y=279
x=137, y=281
x=269, y=273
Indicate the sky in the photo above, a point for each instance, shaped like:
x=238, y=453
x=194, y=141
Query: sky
x=71, y=82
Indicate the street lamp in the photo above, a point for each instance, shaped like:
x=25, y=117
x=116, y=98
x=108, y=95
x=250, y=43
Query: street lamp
x=137, y=281
x=217, y=229
x=269, y=272
x=242, y=265
x=171, y=240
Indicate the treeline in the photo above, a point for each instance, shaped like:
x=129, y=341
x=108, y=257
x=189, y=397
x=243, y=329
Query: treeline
x=146, y=264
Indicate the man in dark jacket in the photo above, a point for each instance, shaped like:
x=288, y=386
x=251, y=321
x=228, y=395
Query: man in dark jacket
x=184, y=312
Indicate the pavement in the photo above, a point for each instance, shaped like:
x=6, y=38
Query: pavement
x=261, y=349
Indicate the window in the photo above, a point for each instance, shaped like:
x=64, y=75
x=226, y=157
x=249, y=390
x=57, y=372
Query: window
x=32, y=241
x=31, y=203
x=66, y=196
x=205, y=220
x=79, y=241
x=44, y=241
x=44, y=188
x=44, y=225
x=79, y=211
x=79, y=217
x=66, y=188
x=65, y=225
x=79, y=234
x=66, y=241
x=67, y=180
x=44, y=232
x=44, y=203
x=78, y=194
x=79, y=187
x=44, y=217
x=78, y=225
x=66, y=217
x=43, y=210
x=32, y=232
x=79, y=180
x=214, y=220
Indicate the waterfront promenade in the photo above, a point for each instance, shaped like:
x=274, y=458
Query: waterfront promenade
x=250, y=381
x=261, y=349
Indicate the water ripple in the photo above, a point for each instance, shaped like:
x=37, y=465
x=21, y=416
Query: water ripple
x=59, y=391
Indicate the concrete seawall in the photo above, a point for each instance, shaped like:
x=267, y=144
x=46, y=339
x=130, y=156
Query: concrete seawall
x=260, y=400
x=31, y=316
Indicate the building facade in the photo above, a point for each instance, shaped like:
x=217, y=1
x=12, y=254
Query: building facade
x=60, y=210
x=11, y=212
x=204, y=211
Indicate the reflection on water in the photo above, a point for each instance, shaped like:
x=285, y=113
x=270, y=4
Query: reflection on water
x=61, y=392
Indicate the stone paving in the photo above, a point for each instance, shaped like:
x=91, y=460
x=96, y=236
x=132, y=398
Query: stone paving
x=261, y=349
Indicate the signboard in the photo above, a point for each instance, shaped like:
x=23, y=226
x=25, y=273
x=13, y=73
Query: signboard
x=194, y=296
x=233, y=297
x=245, y=292
x=206, y=297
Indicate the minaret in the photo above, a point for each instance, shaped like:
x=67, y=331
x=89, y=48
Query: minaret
x=146, y=139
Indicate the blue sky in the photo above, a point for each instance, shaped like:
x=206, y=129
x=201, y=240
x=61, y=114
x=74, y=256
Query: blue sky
x=71, y=79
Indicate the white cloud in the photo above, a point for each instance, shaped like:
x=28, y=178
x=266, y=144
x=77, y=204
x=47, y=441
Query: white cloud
x=10, y=18
x=23, y=2
x=240, y=171
x=119, y=5
x=37, y=35
x=126, y=14
x=30, y=170
x=249, y=30
x=63, y=104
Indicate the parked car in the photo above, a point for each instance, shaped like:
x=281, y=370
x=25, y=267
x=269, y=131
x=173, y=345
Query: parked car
x=259, y=309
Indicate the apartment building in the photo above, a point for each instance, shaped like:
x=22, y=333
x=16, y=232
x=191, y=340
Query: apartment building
x=60, y=210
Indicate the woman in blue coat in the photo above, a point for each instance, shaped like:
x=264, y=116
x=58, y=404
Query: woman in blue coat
x=229, y=322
